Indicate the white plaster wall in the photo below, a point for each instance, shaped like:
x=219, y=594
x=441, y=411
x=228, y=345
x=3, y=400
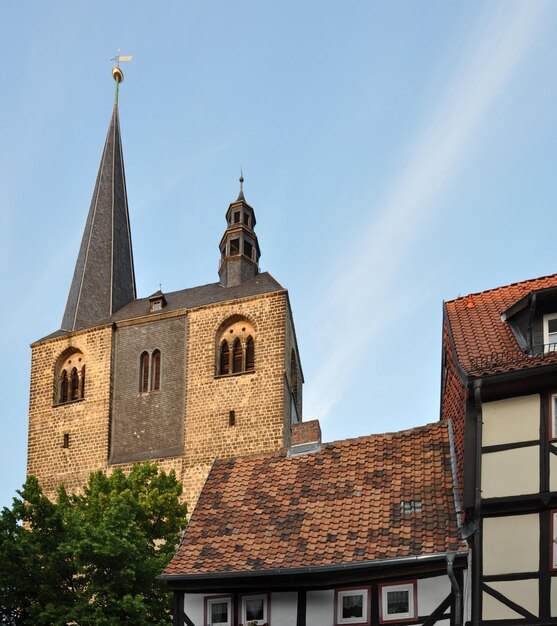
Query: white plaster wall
x=493, y=609
x=431, y=592
x=511, y=472
x=554, y=597
x=525, y=593
x=511, y=420
x=193, y=607
x=511, y=544
x=284, y=608
x=320, y=607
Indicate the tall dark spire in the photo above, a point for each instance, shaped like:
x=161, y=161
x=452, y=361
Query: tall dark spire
x=104, y=278
x=239, y=248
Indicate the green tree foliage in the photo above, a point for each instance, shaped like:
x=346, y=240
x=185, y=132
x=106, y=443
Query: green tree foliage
x=91, y=559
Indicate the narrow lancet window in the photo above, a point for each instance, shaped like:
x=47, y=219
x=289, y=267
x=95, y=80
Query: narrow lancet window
x=156, y=371
x=237, y=357
x=144, y=373
x=224, y=359
x=63, y=396
x=74, y=385
x=250, y=354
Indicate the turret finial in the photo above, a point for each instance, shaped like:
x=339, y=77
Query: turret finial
x=241, y=194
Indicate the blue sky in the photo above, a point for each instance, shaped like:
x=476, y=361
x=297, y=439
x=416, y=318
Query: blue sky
x=396, y=153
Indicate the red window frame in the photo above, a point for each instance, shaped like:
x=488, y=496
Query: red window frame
x=365, y=588
x=395, y=584
x=206, y=600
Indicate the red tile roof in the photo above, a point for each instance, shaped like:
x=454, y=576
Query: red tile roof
x=340, y=505
x=484, y=343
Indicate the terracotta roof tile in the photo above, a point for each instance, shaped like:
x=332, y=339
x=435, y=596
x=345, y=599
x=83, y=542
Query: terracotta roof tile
x=484, y=343
x=339, y=505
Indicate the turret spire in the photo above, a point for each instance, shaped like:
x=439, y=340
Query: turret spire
x=239, y=247
x=104, y=278
x=241, y=194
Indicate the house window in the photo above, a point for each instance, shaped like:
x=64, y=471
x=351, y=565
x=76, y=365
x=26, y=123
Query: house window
x=550, y=332
x=553, y=416
x=246, y=219
x=397, y=603
x=218, y=611
x=352, y=606
x=235, y=349
x=236, y=217
x=254, y=609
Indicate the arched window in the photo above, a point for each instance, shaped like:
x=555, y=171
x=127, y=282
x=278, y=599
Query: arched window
x=156, y=370
x=63, y=391
x=74, y=385
x=144, y=373
x=69, y=376
x=224, y=360
x=235, y=347
x=237, y=357
x=250, y=354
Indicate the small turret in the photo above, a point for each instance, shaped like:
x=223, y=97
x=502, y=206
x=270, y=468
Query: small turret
x=239, y=247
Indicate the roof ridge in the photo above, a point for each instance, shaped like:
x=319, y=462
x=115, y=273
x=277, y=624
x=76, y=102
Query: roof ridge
x=431, y=426
x=502, y=287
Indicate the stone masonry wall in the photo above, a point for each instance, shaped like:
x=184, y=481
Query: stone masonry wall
x=85, y=421
x=257, y=397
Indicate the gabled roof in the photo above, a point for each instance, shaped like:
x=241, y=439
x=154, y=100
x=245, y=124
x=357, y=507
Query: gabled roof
x=191, y=298
x=483, y=342
x=355, y=501
x=104, y=279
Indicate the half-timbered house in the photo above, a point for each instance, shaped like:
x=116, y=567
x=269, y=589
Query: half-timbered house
x=361, y=531
x=499, y=390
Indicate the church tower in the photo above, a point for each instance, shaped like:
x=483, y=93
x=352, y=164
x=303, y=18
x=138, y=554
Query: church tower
x=179, y=378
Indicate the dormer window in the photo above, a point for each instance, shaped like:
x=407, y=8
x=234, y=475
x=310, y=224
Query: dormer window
x=550, y=332
x=157, y=302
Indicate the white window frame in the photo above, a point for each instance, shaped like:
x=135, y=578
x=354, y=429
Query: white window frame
x=553, y=416
x=353, y=591
x=546, y=342
x=255, y=596
x=411, y=614
x=218, y=600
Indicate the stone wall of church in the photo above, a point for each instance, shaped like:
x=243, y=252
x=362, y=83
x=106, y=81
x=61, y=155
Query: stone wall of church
x=149, y=424
x=221, y=416
x=84, y=421
x=255, y=397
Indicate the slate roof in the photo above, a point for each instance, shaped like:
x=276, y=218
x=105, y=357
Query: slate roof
x=483, y=342
x=191, y=298
x=104, y=279
x=341, y=505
